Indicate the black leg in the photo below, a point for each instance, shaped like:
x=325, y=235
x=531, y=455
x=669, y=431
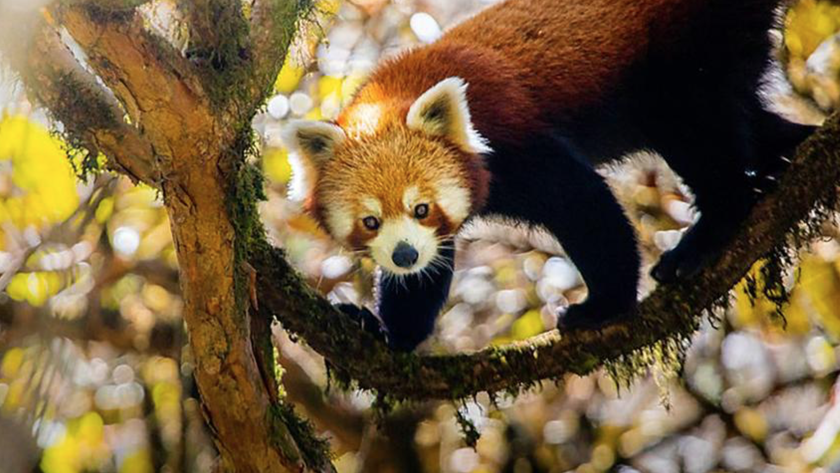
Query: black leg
x=775, y=141
x=728, y=171
x=549, y=183
x=409, y=305
x=725, y=190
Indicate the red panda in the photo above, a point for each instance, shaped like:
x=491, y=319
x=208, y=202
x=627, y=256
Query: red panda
x=508, y=113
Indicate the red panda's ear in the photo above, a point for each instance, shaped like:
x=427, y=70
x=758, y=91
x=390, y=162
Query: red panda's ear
x=312, y=144
x=443, y=111
x=314, y=141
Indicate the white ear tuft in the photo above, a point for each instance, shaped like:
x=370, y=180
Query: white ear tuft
x=443, y=111
x=315, y=141
x=312, y=144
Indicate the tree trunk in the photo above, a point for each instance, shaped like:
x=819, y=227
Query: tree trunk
x=183, y=126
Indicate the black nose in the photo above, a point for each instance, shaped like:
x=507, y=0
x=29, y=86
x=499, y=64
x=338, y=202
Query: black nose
x=404, y=255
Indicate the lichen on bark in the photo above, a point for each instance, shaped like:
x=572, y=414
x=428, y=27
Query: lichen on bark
x=189, y=136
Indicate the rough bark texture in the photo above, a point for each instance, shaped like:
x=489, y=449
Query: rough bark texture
x=158, y=122
x=90, y=114
x=182, y=124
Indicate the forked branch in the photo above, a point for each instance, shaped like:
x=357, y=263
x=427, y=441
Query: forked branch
x=91, y=115
x=669, y=312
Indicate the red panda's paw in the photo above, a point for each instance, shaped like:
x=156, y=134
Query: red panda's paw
x=683, y=262
x=365, y=319
x=588, y=316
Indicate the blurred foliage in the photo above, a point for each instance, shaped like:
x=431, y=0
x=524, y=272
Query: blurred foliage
x=94, y=367
x=41, y=188
x=808, y=24
x=812, y=50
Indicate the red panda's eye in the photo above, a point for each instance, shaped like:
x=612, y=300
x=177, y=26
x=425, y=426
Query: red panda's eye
x=421, y=211
x=371, y=223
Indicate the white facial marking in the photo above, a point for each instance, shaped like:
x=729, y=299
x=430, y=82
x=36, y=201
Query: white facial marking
x=340, y=222
x=372, y=206
x=405, y=229
x=303, y=178
x=454, y=199
x=365, y=119
x=411, y=197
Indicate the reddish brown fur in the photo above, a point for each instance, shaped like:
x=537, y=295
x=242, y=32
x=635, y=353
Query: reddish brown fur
x=383, y=166
x=438, y=220
x=527, y=63
x=522, y=55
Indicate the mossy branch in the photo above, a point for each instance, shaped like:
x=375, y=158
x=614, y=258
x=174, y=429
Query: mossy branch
x=92, y=118
x=217, y=29
x=154, y=103
x=194, y=150
x=785, y=219
x=271, y=25
x=112, y=6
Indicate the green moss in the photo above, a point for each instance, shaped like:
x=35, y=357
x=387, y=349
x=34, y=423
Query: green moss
x=246, y=190
x=225, y=63
x=782, y=259
x=221, y=60
x=278, y=372
x=664, y=358
x=104, y=11
x=468, y=429
x=314, y=450
x=72, y=101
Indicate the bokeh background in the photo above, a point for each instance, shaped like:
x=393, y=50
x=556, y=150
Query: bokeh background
x=96, y=376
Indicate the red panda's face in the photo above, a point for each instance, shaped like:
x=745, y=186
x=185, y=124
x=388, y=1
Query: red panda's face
x=398, y=195
x=401, y=192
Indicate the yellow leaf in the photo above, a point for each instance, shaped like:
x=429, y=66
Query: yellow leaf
x=105, y=209
x=12, y=361
x=61, y=457
x=751, y=423
x=329, y=7
x=527, y=326
x=17, y=288
x=137, y=462
x=808, y=24
x=40, y=169
x=91, y=428
x=821, y=284
x=328, y=85
x=314, y=114
x=749, y=312
x=276, y=165
x=289, y=76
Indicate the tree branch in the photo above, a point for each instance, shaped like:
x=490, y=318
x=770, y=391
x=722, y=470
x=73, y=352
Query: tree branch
x=109, y=6
x=273, y=23
x=164, y=338
x=671, y=311
x=90, y=114
x=166, y=100
x=188, y=138
x=156, y=85
x=217, y=29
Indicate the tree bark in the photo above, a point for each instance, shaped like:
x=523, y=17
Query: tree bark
x=182, y=125
x=158, y=122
